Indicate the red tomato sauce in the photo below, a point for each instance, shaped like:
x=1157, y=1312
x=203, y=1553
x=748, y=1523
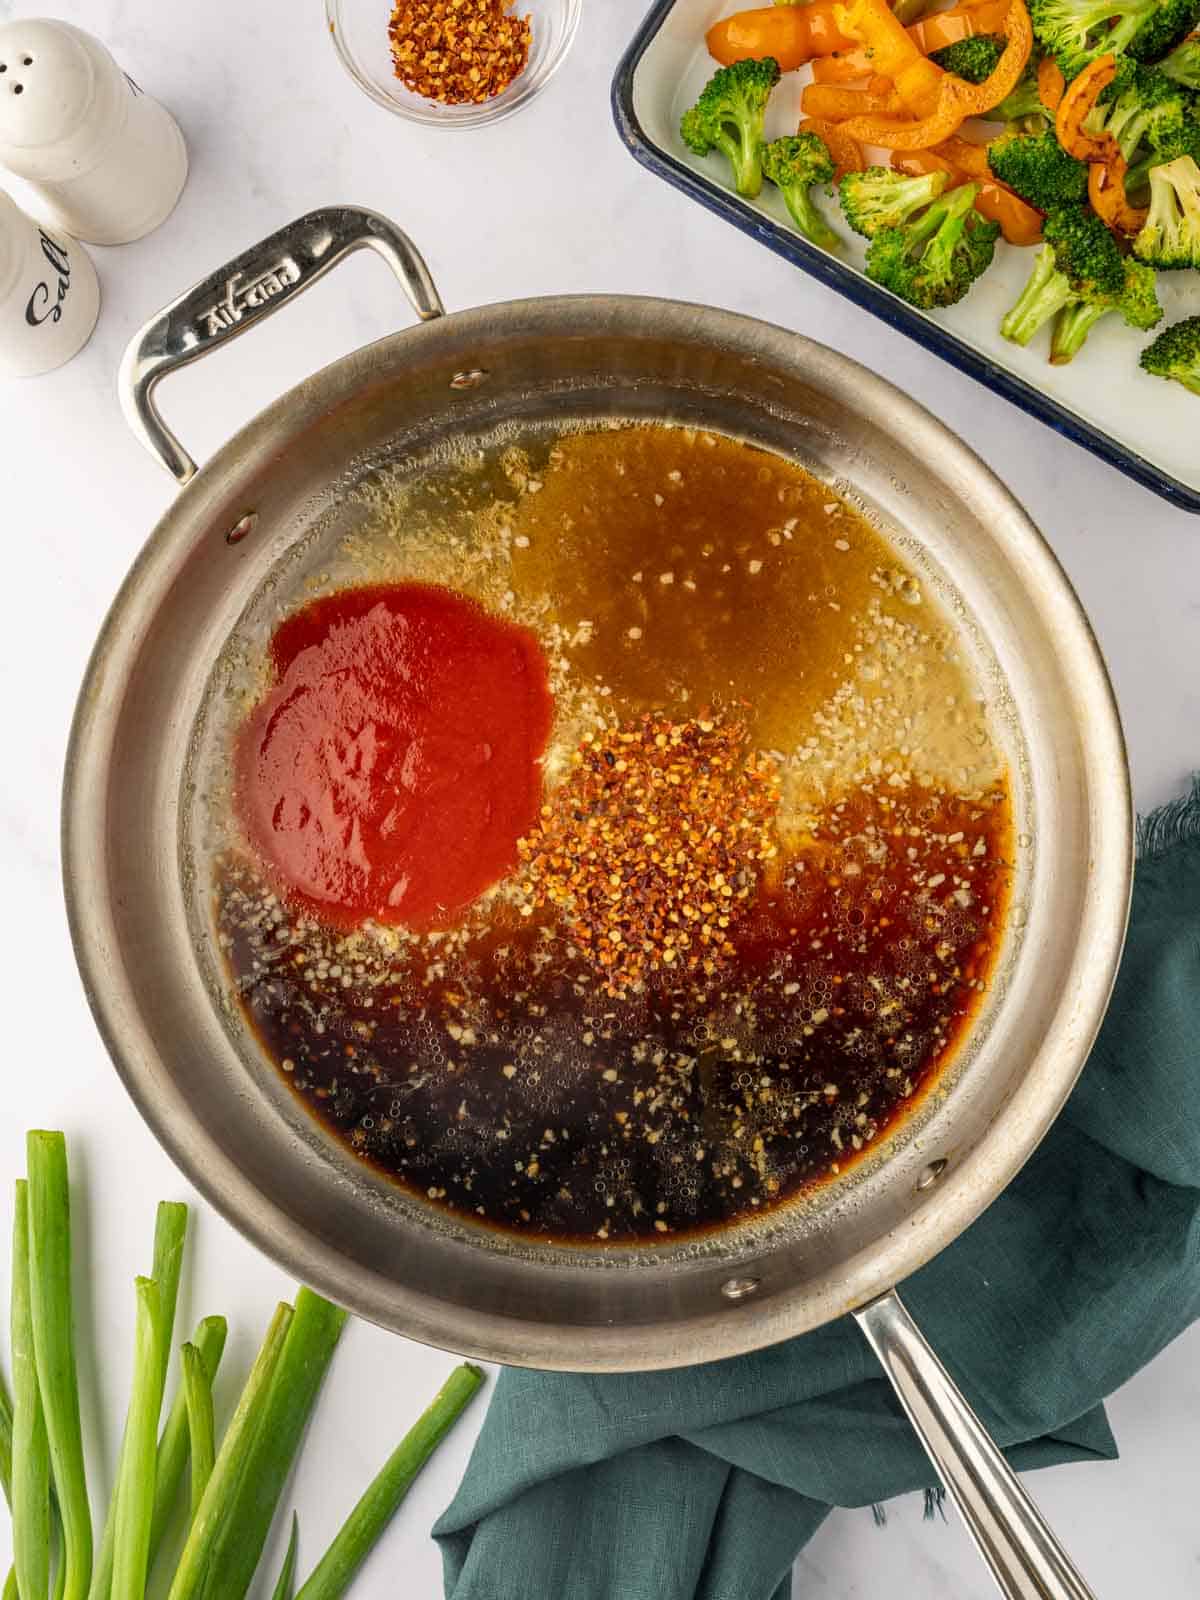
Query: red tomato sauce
x=396, y=762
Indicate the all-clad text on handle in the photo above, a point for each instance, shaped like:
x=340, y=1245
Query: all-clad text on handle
x=241, y=293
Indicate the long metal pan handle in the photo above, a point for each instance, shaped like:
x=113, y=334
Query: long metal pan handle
x=242, y=293
x=1026, y=1559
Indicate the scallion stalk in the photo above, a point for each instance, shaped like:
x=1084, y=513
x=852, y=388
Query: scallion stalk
x=236, y=1448
x=54, y=1349
x=173, y=1445
x=199, y=1401
x=307, y=1351
x=361, y=1530
x=6, y=1425
x=283, y=1584
x=135, y=1483
x=170, y=1234
x=31, y=1452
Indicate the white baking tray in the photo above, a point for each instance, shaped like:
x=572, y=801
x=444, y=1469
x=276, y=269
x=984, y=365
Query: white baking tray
x=1147, y=428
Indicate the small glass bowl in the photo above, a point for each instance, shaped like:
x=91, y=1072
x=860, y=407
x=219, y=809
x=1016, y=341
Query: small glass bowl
x=359, y=30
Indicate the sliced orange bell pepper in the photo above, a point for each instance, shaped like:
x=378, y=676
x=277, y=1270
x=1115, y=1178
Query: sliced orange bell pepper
x=960, y=22
x=957, y=99
x=1106, y=191
x=851, y=66
x=1075, y=107
x=846, y=152
x=892, y=133
x=1106, y=169
x=792, y=34
x=976, y=98
x=834, y=102
x=967, y=157
x=1051, y=83
x=893, y=53
x=919, y=84
x=916, y=163
x=1019, y=223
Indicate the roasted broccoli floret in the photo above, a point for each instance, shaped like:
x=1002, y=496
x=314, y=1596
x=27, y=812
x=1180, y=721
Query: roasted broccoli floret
x=1137, y=305
x=794, y=165
x=1086, y=250
x=1143, y=105
x=1023, y=110
x=934, y=259
x=881, y=198
x=1170, y=236
x=1075, y=31
x=1183, y=64
x=1171, y=22
x=1176, y=354
x=1078, y=262
x=1169, y=140
x=973, y=58
x=729, y=117
x=1045, y=294
x=1038, y=169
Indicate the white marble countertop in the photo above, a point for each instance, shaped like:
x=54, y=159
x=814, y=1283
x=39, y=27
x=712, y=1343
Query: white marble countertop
x=548, y=202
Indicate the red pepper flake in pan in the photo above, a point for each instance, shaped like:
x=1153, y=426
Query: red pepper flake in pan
x=653, y=846
x=460, y=52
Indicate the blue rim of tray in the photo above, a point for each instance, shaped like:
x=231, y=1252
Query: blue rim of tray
x=836, y=275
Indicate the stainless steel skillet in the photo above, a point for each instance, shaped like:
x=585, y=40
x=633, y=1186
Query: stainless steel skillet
x=190, y=1064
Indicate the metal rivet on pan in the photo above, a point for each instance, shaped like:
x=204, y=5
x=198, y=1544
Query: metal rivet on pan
x=241, y=528
x=932, y=1173
x=740, y=1288
x=470, y=379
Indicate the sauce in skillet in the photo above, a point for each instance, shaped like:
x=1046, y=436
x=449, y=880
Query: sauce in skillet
x=396, y=763
x=754, y=909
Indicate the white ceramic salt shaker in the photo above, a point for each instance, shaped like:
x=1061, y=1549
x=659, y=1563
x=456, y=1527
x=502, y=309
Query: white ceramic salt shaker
x=49, y=296
x=105, y=161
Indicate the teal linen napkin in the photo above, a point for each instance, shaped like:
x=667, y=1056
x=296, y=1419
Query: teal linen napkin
x=704, y=1484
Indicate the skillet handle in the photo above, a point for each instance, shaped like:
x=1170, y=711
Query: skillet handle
x=243, y=292
x=1025, y=1558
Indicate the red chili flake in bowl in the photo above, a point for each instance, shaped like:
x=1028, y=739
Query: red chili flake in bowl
x=460, y=52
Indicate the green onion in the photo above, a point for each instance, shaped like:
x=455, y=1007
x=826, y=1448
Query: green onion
x=173, y=1445
x=311, y=1341
x=235, y=1489
x=60, y=1576
x=54, y=1348
x=283, y=1584
x=170, y=1235
x=6, y=1423
x=229, y=1467
x=172, y=1457
x=199, y=1402
x=170, y=1232
x=135, y=1481
x=31, y=1453
x=362, y=1528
